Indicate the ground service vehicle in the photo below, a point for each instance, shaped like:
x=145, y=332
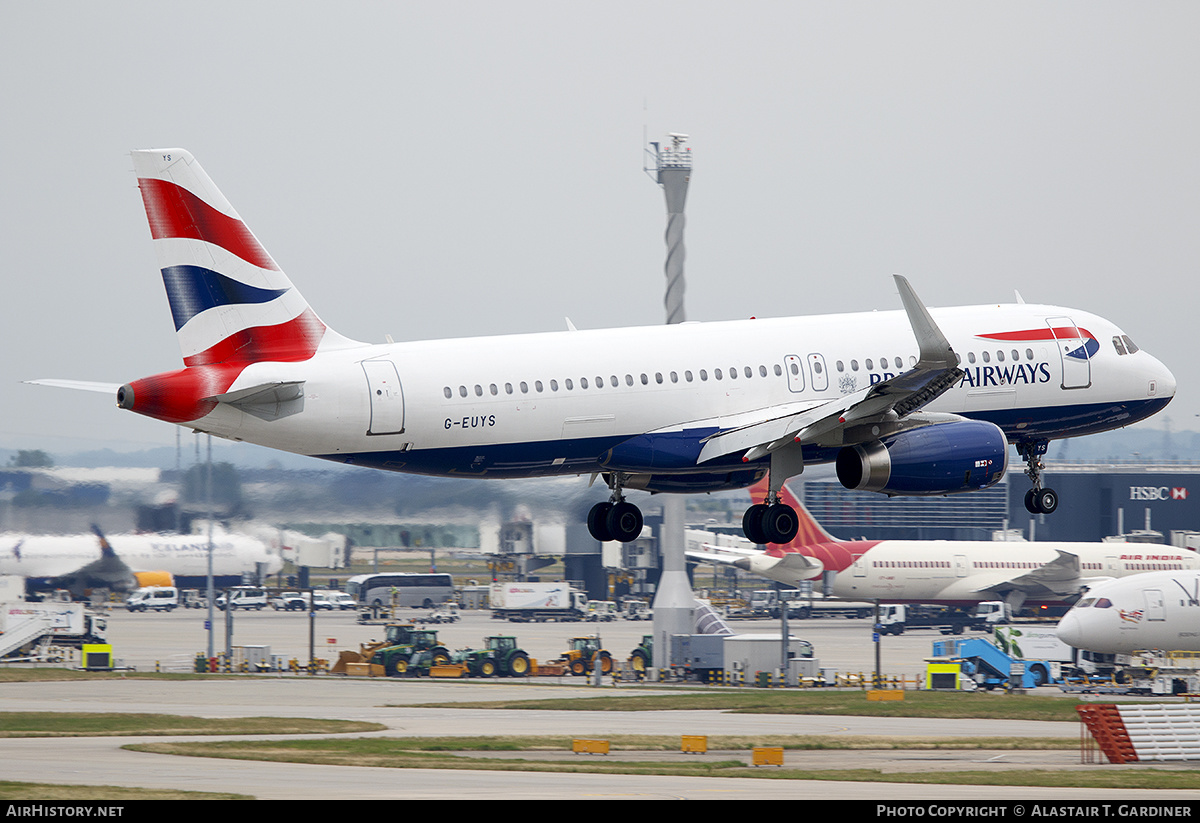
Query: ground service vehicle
x=158, y=598
x=585, y=655
x=897, y=618
x=985, y=665
x=289, y=601
x=243, y=597
x=642, y=657
x=537, y=602
x=24, y=626
x=410, y=648
x=500, y=658
x=448, y=613
x=601, y=611
x=638, y=610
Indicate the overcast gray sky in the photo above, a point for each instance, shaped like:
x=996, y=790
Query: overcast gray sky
x=433, y=169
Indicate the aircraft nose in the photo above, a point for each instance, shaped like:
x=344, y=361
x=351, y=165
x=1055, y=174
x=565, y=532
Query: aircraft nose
x=1069, y=630
x=1163, y=383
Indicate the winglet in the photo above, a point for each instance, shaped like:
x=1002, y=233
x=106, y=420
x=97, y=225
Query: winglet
x=935, y=348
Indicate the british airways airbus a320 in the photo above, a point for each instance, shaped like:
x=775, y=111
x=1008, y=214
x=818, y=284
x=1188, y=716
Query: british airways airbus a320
x=909, y=402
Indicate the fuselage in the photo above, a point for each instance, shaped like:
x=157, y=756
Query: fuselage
x=557, y=403
x=50, y=556
x=1150, y=611
x=962, y=572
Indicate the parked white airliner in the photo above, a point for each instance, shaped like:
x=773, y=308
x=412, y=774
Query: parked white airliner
x=684, y=408
x=1160, y=610
x=124, y=562
x=950, y=572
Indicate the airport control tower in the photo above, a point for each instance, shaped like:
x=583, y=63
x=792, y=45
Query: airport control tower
x=673, y=599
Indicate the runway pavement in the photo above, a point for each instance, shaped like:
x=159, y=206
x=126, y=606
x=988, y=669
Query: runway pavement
x=101, y=761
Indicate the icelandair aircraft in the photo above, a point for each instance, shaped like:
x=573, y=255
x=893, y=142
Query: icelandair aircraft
x=127, y=561
x=950, y=572
x=694, y=407
x=1150, y=611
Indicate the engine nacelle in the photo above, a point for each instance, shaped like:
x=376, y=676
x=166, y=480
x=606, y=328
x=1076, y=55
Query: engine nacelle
x=943, y=458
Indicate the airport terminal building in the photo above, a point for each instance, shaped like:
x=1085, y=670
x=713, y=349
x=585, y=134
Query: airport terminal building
x=1096, y=501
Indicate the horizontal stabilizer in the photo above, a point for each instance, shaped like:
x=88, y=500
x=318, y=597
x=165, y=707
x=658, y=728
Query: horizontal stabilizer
x=267, y=401
x=78, y=385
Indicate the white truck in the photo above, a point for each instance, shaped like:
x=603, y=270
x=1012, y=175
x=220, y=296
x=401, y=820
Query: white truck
x=25, y=625
x=537, y=602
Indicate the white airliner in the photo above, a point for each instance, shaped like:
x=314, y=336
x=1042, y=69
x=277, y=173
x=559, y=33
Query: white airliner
x=1160, y=610
x=950, y=572
x=685, y=408
x=124, y=562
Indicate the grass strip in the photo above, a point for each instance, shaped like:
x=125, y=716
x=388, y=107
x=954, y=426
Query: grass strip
x=413, y=753
x=102, y=724
x=42, y=792
x=949, y=705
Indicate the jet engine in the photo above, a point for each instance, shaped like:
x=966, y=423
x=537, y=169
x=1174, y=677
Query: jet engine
x=942, y=458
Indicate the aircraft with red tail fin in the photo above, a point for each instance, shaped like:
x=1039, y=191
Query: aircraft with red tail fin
x=948, y=572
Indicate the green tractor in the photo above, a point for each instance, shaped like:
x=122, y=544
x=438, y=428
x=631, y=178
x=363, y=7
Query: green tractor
x=409, y=648
x=585, y=655
x=500, y=658
x=642, y=658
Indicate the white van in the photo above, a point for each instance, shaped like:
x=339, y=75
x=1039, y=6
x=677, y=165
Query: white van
x=244, y=597
x=159, y=598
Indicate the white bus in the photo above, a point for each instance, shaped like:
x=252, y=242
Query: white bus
x=421, y=590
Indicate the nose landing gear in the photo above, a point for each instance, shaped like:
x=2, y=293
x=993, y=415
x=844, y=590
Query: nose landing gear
x=1037, y=500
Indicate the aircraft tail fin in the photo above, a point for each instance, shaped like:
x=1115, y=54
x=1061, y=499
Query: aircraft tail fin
x=229, y=299
x=811, y=532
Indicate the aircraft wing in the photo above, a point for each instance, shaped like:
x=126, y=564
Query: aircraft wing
x=1060, y=577
x=888, y=401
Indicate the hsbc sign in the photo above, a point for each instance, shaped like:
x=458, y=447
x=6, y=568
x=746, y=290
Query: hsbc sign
x=1158, y=493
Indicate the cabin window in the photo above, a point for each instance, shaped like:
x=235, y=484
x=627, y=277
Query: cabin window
x=462, y=391
x=553, y=385
x=537, y=385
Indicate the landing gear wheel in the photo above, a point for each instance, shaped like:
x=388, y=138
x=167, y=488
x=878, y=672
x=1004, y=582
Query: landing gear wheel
x=780, y=523
x=1041, y=501
x=752, y=524
x=624, y=522
x=597, y=522
x=1047, y=500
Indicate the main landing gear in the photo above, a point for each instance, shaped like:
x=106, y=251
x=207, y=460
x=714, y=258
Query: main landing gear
x=770, y=522
x=617, y=519
x=1037, y=499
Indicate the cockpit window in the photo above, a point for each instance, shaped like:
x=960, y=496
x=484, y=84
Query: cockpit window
x=1103, y=603
x=1124, y=345
x=1085, y=602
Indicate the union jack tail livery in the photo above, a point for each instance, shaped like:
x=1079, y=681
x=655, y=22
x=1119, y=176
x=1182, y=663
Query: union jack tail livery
x=229, y=299
x=231, y=303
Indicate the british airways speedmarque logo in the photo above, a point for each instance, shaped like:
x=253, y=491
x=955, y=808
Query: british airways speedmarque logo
x=1085, y=343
